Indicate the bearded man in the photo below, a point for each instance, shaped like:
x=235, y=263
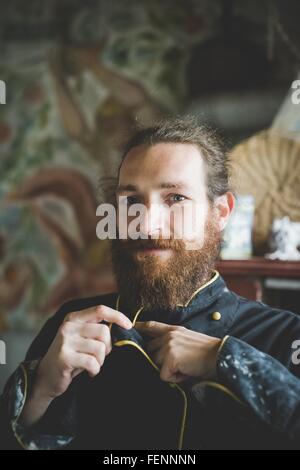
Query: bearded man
x=173, y=360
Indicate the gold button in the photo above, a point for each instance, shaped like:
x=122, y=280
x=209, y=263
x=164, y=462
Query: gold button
x=216, y=316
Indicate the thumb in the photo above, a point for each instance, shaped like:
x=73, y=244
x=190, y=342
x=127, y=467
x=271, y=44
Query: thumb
x=154, y=328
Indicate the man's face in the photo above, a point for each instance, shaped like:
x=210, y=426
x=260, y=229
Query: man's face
x=162, y=265
x=169, y=180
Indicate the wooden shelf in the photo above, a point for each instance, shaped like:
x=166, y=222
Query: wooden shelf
x=248, y=279
x=260, y=268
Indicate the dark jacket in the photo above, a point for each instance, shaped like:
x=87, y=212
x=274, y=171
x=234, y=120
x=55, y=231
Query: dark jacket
x=253, y=404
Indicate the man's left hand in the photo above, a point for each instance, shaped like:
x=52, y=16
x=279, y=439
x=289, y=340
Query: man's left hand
x=180, y=353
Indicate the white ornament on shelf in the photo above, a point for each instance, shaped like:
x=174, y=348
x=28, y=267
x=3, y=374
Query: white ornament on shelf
x=285, y=240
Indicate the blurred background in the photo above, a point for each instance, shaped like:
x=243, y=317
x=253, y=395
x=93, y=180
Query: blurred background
x=78, y=76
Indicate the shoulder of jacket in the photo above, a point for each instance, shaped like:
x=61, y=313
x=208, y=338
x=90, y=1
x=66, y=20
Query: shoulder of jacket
x=262, y=311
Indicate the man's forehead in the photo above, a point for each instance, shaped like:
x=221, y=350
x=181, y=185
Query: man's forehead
x=163, y=163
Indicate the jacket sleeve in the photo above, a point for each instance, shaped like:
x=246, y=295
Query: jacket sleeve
x=269, y=388
x=58, y=426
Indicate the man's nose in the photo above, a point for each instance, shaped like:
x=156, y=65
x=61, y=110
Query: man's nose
x=152, y=223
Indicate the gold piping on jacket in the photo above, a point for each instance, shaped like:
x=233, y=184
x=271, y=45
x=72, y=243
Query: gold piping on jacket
x=212, y=384
x=137, y=316
x=118, y=303
x=223, y=389
x=173, y=385
x=222, y=344
x=215, y=277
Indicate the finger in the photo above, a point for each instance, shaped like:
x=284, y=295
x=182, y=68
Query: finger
x=156, y=344
x=86, y=362
x=159, y=357
x=99, y=314
x=166, y=374
x=99, y=332
x=179, y=378
x=176, y=378
x=99, y=349
x=153, y=328
x=171, y=374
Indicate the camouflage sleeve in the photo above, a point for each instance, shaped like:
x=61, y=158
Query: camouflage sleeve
x=264, y=384
x=46, y=435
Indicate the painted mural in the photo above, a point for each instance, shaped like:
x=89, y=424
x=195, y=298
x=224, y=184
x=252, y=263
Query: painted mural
x=79, y=76
x=69, y=108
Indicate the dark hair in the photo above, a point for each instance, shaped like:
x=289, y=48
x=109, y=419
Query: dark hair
x=186, y=130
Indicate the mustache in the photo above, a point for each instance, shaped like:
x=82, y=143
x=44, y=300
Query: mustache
x=152, y=244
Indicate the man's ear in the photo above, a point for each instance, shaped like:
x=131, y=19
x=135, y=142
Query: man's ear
x=224, y=206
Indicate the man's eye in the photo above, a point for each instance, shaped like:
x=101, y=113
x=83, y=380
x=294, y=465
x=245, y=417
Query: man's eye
x=175, y=198
x=131, y=200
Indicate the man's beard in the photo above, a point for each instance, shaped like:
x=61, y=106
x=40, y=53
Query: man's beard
x=152, y=283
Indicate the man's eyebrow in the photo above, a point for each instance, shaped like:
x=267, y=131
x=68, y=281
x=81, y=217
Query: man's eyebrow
x=174, y=185
x=126, y=188
x=167, y=185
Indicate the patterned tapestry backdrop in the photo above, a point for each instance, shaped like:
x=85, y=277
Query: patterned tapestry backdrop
x=69, y=107
x=78, y=75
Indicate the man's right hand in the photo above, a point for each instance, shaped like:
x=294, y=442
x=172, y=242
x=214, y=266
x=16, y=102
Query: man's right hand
x=81, y=344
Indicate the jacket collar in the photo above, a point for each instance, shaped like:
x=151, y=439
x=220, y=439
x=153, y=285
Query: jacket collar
x=199, y=302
